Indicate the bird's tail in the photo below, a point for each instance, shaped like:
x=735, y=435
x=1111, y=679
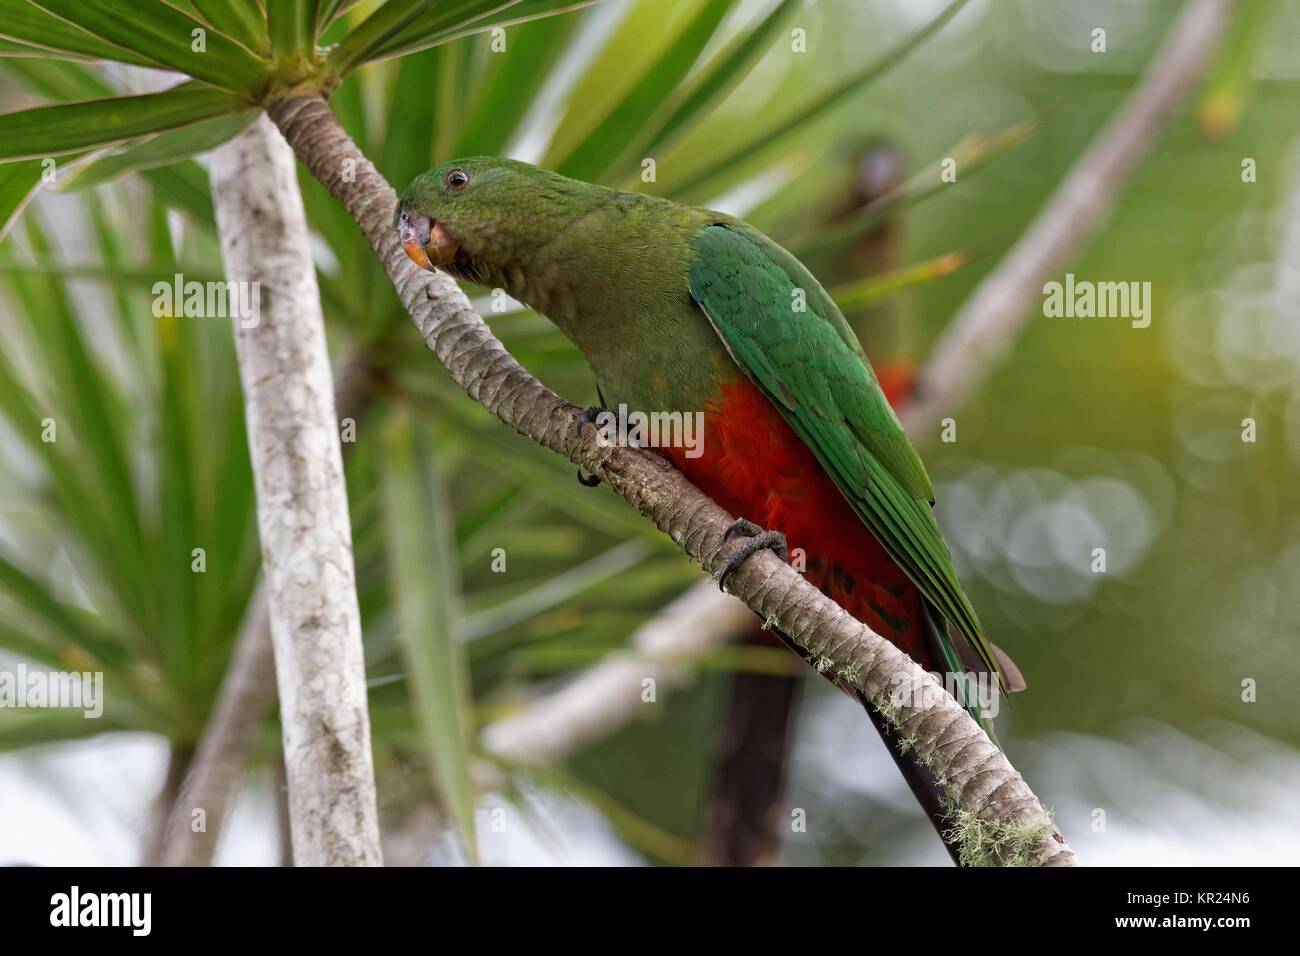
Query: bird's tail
x=944, y=650
x=967, y=677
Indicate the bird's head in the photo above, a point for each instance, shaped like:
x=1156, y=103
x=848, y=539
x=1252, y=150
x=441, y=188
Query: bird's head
x=475, y=217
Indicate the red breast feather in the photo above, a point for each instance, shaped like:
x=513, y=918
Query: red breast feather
x=755, y=466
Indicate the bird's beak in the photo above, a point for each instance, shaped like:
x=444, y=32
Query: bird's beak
x=425, y=241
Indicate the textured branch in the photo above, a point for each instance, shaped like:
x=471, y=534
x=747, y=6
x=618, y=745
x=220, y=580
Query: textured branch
x=1000, y=818
x=986, y=326
x=302, y=506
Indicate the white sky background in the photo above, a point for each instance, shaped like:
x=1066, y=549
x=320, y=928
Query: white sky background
x=1169, y=800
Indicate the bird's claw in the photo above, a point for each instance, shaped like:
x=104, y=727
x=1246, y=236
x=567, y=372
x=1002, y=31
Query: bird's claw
x=588, y=417
x=757, y=539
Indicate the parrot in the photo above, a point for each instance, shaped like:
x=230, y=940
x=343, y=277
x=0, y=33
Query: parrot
x=681, y=309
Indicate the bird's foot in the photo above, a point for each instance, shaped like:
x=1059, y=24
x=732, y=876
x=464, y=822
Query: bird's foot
x=756, y=539
x=588, y=417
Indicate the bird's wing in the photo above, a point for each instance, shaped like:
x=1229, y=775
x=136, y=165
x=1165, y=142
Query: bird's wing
x=790, y=339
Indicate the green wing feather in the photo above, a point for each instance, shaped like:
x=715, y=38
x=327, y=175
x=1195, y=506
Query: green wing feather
x=811, y=366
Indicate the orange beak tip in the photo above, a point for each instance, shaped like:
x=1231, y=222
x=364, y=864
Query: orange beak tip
x=416, y=253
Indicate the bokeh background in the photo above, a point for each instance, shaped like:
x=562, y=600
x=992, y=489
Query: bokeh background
x=1091, y=434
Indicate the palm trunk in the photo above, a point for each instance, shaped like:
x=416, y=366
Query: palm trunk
x=1001, y=819
x=247, y=694
x=302, y=505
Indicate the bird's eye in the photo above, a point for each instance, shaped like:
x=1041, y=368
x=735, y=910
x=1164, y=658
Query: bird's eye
x=457, y=179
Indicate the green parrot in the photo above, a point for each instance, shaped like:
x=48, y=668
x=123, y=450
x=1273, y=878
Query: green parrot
x=679, y=309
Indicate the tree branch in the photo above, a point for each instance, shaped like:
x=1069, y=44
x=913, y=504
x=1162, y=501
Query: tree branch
x=302, y=506
x=986, y=326
x=246, y=696
x=999, y=818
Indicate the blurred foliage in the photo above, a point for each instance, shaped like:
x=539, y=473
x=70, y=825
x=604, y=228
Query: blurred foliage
x=1093, y=432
